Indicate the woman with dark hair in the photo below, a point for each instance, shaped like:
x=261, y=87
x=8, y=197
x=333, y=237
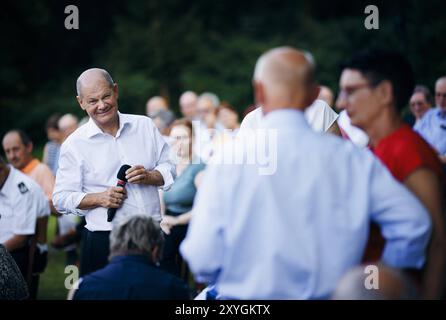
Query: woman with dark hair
x=178, y=200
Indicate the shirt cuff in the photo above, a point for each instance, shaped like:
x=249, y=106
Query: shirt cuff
x=76, y=200
x=404, y=257
x=164, y=169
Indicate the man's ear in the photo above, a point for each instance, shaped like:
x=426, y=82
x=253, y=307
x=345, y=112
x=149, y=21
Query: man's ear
x=385, y=93
x=79, y=100
x=312, y=95
x=115, y=90
x=29, y=148
x=259, y=93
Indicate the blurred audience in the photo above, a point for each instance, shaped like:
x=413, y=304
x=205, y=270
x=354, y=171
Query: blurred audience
x=156, y=104
x=178, y=200
x=420, y=102
x=188, y=105
x=52, y=147
x=326, y=95
x=432, y=127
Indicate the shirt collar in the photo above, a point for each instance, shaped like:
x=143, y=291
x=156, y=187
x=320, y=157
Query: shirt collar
x=93, y=129
x=286, y=117
x=9, y=183
x=132, y=257
x=440, y=113
x=30, y=166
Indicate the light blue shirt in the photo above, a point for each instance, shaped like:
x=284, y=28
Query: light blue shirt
x=294, y=233
x=432, y=127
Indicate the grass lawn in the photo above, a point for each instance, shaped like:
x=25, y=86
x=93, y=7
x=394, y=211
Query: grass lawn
x=51, y=285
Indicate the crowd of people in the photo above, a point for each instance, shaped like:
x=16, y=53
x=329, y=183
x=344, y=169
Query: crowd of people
x=343, y=191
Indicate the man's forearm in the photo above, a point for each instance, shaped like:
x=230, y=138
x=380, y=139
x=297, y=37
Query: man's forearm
x=90, y=201
x=154, y=178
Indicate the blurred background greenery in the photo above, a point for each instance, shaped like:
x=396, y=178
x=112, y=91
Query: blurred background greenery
x=167, y=46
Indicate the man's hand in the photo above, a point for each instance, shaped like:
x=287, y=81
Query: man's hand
x=139, y=175
x=112, y=197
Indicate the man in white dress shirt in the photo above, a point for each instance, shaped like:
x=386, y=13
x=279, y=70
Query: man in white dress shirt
x=91, y=157
x=294, y=233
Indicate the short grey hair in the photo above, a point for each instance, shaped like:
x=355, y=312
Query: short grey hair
x=136, y=235
x=104, y=73
x=212, y=97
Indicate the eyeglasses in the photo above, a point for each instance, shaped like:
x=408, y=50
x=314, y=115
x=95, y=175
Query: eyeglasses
x=417, y=103
x=350, y=90
x=440, y=95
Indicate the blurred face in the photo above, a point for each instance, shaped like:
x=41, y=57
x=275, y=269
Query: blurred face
x=188, y=105
x=418, y=105
x=206, y=112
x=358, y=98
x=326, y=95
x=53, y=134
x=16, y=152
x=155, y=104
x=228, y=118
x=181, y=137
x=440, y=94
x=100, y=101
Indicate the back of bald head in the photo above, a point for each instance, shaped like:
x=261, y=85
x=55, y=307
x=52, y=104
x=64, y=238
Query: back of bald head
x=440, y=80
x=91, y=77
x=283, y=70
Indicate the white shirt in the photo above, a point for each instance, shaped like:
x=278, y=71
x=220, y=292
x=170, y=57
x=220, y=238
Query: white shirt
x=294, y=233
x=355, y=134
x=22, y=201
x=319, y=115
x=90, y=160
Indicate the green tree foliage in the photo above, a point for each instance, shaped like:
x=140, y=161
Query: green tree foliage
x=168, y=46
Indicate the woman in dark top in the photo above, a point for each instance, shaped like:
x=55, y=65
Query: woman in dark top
x=178, y=200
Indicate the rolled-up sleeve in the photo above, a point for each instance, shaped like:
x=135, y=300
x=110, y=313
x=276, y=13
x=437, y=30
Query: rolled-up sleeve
x=164, y=164
x=404, y=221
x=67, y=194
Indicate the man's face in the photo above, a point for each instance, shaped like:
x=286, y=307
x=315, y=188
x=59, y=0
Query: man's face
x=228, y=118
x=206, y=111
x=188, y=105
x=418, y=105
x=16, y=152
x=358, y=98
x=440, y=94
x=100, y=101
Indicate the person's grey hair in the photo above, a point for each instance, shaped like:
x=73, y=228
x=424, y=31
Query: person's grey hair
x=136, y=235
x=105, y=74
x=426, y=92
x=166, y=116
x=212, y=97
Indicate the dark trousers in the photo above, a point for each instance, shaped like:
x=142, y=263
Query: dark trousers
x=95, y=251
x=21, y=257
x=171, y=259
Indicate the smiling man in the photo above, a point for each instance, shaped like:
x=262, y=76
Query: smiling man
x=91, y=157
x=375, y=86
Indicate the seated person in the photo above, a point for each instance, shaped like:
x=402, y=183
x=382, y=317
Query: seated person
x=12, y=283
x=132, y=274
